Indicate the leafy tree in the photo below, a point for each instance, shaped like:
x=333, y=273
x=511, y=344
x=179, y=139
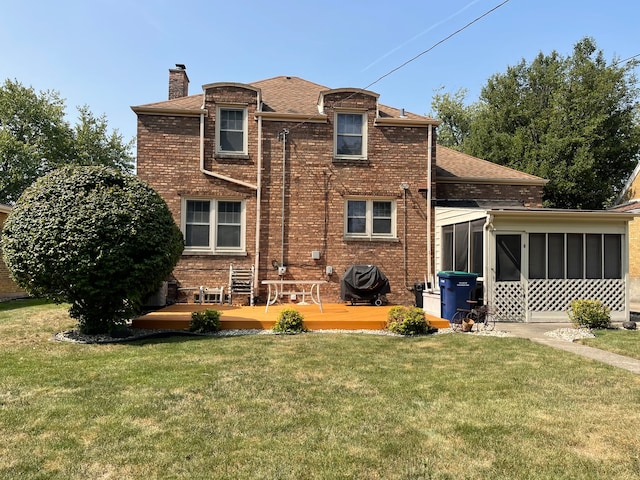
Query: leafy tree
x=93, y=145
x=572, y=120
x=455, y=118
x=94, y=237
x=35, y=139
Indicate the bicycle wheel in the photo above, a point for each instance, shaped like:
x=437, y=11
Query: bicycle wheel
x=489, y=320
x=456, y=321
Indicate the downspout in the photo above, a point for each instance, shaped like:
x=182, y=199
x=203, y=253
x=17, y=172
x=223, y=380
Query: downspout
x=256, y=261
x=405, y=187
x=430, y=258
x=488, y=281
x=283, y=134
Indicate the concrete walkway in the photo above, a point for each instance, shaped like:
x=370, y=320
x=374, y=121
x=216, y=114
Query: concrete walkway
x=535, y=332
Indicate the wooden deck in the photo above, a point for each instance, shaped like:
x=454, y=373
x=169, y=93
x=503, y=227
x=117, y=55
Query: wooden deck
x=335, y=317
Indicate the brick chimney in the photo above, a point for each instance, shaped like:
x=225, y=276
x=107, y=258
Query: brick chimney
x=178, y=82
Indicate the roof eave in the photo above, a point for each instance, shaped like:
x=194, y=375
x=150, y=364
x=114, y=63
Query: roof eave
x=490, y=180
x=405, y=122
x=600, y=215
x=291, y=117
x=179, y=112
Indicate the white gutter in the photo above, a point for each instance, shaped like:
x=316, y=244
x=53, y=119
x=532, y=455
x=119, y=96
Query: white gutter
x=284, y=133
x=486, y=274
x=258, y=208
x=429, y=246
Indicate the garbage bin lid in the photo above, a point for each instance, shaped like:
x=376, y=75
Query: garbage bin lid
x=453, y=273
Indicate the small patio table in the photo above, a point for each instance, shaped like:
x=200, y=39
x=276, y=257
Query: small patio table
x=297, y=287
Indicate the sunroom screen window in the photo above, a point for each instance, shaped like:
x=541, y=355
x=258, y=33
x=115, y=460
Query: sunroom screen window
x=575, y=255
x=612, y=256
x=594, y=256
x=537, y=255
x=556, y=255
x=462, y=247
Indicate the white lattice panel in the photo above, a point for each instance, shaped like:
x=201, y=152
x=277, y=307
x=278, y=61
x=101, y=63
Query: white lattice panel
x=555, y=295
x=509, y=301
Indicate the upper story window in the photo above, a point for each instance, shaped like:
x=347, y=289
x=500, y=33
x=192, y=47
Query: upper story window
x=350, y=135
x=370, y=218
x=213, y=226
x=231, y=131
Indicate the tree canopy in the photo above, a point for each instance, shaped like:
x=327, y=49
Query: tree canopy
x=35, y=139
x=572, y=120
x=94, y=237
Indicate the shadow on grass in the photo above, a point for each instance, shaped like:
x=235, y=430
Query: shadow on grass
x=17, y=303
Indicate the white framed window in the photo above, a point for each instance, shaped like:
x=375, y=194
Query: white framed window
x=213, y=225
x=231, y=130
x=370, y=218
x=350, y=135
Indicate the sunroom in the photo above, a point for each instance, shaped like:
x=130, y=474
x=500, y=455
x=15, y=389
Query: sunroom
x=532, y=263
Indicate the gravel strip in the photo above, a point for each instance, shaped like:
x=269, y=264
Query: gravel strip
x=570, y=334
x=74, y=336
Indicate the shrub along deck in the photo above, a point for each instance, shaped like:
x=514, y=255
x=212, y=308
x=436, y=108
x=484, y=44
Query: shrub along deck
x=335, y=317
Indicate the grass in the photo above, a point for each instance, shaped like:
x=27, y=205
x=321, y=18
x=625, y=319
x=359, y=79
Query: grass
x=624, y=342
x=310, y=406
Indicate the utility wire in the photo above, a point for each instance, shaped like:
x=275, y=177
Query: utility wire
x=438, y=43
x=488, y=12
x=627, y=59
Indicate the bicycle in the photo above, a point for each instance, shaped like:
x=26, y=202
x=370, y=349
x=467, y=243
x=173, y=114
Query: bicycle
x=482, y=316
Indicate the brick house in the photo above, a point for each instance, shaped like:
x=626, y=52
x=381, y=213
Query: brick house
x=8, y=288
x=629, y=201
x=286, y=172
x=338, y=176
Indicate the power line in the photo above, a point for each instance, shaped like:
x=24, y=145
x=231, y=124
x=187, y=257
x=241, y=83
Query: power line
x=627, y=59
x=437, y=44
x=488, y=12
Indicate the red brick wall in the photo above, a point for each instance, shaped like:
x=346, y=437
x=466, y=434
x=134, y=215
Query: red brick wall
x=316, y=188
x=8, y=288
x=528, y=195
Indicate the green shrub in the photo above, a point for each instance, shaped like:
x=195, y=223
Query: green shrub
x=289, y=321
x=205, y=321
x=590, y=314
x=93, y=237
x=407, y=321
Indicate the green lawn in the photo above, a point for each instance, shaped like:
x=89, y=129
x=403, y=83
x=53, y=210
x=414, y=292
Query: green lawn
x=310, y=406
x=624, y=342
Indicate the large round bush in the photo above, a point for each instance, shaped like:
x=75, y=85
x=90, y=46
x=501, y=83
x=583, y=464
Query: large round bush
x=94, y=237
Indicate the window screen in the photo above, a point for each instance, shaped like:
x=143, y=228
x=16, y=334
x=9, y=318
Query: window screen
x=508, y=258
x=537, y=255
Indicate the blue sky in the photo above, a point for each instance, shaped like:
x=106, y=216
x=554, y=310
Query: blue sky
x=112, y=54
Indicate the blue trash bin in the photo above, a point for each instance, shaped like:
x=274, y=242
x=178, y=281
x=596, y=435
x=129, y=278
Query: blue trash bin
x=455, y=289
